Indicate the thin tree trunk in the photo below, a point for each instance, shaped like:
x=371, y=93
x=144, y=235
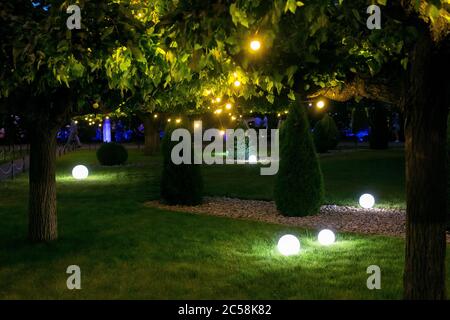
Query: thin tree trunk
x=42, y=197
x=151, y=134
x=425, y=130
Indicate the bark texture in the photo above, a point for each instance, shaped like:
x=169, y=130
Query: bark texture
x=426, y=111
x=45, y=115
x=424, y=97
x=151, y=134
x=42, y=190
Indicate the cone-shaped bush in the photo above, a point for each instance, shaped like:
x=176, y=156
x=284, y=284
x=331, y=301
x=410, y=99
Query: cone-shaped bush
x=180, y=184
x=326, y=134
x=299, y=182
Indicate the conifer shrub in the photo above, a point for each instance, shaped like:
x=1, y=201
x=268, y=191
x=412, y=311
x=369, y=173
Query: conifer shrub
x=180, y=184
x=326, y=134
x=299, y=187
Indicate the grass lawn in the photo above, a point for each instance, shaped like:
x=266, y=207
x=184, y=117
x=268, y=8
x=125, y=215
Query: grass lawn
x=346, y=176
x=126, y=250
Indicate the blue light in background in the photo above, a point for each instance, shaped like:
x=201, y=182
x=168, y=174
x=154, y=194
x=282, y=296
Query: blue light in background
x=107, y=131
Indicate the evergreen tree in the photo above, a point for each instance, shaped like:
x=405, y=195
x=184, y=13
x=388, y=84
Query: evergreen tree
x=299, y=184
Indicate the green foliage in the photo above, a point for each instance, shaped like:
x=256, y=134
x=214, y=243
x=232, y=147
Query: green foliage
x=299, y=189
x=326, y=134
x=180, y=184
x=379, y=129
x=112, y=154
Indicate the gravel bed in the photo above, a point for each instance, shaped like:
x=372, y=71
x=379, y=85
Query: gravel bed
x=387, y=222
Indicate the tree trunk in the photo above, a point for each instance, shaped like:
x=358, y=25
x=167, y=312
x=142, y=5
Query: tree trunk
x=42, y=197
x=151, y=134
x=426, y=109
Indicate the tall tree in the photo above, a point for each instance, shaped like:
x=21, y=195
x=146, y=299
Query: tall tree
x=51, y=73
x=325, y=49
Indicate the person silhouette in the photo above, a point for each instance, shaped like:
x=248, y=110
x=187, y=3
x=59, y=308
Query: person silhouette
x=73, y=135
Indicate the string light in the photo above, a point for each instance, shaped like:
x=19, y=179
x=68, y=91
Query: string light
x=228, y=106
x=255, y=45
x=321, y=104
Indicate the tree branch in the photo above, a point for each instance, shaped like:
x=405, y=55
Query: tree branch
x=365, y=88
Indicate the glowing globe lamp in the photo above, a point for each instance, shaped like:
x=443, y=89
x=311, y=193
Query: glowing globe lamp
x=288, y=245
x=255, y=45
x=80, y=172
x=321, y=104
x=326, y=237
x=367, y=201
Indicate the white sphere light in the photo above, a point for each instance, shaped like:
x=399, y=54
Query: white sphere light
x=367, y=201
x=255, y=45
x=80, y=172
x=326, y=237
x=253, y=159
x=288, y=245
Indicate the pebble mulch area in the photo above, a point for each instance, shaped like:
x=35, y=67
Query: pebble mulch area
x=337, y=218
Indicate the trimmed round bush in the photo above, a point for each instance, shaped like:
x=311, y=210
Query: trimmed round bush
x=112, y=154
x=299, y=187
x=180, y=184
x=326, y=134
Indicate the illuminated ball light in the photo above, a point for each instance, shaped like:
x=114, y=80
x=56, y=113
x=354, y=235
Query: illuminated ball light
x=80, y=172
x=288, y=245
x=255, y=45
x=326, y=237
x=367, y=201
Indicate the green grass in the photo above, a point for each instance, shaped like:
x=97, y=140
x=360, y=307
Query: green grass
x=126, y=250
x=346, y=176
